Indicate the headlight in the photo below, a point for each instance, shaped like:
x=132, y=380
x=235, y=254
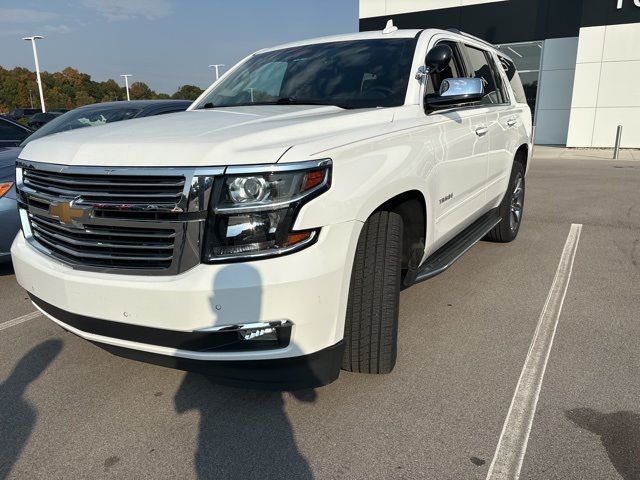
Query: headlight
x=253, y=212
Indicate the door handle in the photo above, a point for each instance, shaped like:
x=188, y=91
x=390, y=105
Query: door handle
x=482, y=131
x=511, y=123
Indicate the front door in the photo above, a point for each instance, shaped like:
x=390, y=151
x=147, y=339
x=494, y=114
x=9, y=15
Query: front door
x=457, y=185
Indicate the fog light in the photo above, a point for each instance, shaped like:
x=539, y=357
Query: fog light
x=268, y=333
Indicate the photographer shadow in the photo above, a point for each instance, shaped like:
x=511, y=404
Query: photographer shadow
x=17, y=415
x=243, y=433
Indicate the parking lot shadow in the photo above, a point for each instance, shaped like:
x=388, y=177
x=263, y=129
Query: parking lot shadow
x=619, y=433
x=17, y=415
x=243, y=433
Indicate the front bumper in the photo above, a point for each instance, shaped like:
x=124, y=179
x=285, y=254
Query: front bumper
x=9, y=226
x=292, y=373
x=308, y=289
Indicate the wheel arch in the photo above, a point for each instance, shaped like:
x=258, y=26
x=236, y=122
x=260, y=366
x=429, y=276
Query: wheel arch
x=522, y=155
x=411, y=206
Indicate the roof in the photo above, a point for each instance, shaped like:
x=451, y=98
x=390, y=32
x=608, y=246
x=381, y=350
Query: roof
x=348, y=37
x=379, y=35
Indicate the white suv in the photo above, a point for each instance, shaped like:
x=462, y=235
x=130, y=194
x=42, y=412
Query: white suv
x=264, y=235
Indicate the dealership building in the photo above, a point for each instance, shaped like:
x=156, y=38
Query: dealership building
x=579, y=59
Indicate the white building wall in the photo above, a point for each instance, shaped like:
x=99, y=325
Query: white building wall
x=588, y=84
x=555, y=90
x=606, y=89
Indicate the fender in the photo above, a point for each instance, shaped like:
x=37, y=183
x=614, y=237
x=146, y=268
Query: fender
x=361, y=183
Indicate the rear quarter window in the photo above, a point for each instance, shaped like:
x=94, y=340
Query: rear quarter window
x=514, y=79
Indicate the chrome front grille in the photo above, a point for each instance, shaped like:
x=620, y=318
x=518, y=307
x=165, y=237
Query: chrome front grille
x=105, y=246
x=119, y=220
x=108, y=190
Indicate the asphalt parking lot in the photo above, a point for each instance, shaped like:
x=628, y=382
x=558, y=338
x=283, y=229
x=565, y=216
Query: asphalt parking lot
x=71, y=410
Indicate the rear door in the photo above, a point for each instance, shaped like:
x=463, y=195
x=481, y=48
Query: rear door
x=502, y=120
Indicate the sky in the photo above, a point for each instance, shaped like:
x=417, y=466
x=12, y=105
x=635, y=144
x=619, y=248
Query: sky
x=164, y=43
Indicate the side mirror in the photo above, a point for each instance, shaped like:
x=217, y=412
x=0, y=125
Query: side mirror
x=438, y=58
x=457, y=91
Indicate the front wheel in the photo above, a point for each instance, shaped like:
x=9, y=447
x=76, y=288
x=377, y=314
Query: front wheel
x=371, y=327
x=511, y=208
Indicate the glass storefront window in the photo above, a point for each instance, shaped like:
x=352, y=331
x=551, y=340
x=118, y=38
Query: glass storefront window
x=527, y=57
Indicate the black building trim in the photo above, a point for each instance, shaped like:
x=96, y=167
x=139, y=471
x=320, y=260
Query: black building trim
x=516, y=20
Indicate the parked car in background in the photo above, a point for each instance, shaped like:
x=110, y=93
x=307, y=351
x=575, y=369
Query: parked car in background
x=12, y=133
x=90, y=115
x=9, y=218
x=18, y=113
x=108, y=112
x=39, y=119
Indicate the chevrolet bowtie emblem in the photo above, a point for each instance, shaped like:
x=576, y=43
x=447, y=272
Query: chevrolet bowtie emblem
x=66, y=213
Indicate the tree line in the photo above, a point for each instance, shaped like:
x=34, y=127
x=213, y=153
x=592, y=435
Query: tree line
x=71, y=88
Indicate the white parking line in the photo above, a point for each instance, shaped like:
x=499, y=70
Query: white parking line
x=19, y=320
x=512, y=446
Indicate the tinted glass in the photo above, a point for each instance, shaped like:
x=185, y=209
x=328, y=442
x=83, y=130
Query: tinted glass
x=9, y=131
x=21, y=112
x=480, y=68
x=514, y=79
x=453, y=70
x=85, y=117
x=357, y=74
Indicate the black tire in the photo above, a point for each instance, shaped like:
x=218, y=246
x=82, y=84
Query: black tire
x=371, y=329
x=511, y=208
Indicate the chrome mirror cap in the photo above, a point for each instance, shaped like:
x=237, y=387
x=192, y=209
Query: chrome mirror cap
x=456, y=91
x=456, y=87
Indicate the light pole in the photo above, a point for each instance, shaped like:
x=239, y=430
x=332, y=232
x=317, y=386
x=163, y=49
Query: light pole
x=126, y=84
x=217, y=66
x=35, y=56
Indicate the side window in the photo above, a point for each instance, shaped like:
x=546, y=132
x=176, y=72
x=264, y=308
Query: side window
x=514, y=79
x=480, y=65
x=8, y=131
x=453, y=70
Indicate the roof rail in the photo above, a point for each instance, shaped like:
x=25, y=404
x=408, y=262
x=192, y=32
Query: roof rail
x=477, y=39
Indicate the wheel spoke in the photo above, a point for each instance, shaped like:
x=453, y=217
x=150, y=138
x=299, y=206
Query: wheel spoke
x=517, y=190
x=517, y=197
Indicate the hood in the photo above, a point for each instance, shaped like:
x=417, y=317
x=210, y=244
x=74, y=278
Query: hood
x=214, y=137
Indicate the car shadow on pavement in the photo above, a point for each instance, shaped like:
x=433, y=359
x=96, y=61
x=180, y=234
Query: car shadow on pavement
x=619, y=433
x=17, y=415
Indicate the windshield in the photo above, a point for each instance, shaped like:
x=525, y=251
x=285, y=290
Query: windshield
x=85, y=117
x=355, y=74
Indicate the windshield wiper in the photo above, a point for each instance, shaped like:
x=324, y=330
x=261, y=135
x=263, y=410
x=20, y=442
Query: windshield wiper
x=295, y=101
